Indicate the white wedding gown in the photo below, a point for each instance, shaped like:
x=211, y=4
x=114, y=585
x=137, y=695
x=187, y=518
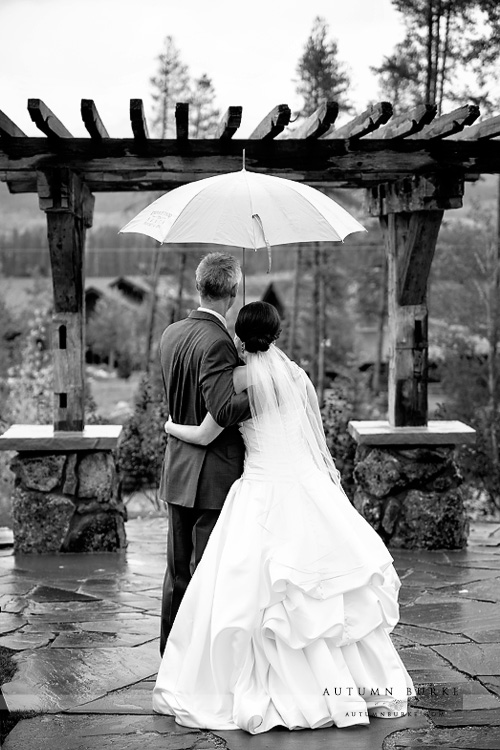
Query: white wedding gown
x=287, y=617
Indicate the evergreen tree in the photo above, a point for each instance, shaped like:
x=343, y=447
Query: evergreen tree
x=203, y=114
x=170, y=85
x=400, y=77
x=321, y=75
x=446, y=42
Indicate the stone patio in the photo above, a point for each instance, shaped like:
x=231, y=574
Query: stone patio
x=86, y=631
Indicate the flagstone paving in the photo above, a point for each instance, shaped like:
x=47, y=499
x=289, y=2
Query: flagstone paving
x=84, y=631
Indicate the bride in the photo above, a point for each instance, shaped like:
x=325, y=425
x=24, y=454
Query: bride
x=287, y=617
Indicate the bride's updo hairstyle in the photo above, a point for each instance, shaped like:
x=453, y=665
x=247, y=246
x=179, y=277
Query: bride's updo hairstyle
x=257, y=326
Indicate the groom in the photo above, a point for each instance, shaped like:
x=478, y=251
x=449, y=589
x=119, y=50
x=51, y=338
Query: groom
x=197, y=359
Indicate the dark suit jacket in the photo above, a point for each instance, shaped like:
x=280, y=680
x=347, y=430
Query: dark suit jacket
x=197, y=358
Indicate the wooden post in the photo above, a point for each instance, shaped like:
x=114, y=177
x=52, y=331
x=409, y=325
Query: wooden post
x=410, y=241
x=410, y=214
x=68, y=204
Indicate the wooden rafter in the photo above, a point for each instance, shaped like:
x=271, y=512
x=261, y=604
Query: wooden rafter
x=371, y=119
x=229, y=124
x=182, y=121
x=138, y=120
x=46, y=121
x=92, y=120
x=452, y=122
x=407, y=123
x=9, y=129
x=481, y=131
x=319, y=123
x=272, y=124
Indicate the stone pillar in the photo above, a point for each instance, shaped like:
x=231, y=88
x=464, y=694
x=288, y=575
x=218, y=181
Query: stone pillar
x=408, y=483
x=411, y=496
x=67, y=502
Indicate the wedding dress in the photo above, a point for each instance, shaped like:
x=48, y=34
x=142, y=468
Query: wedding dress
x=287, y=617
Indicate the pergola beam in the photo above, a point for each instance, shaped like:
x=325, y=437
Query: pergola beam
x=229, y=124
x=371, y=119
x=92, y=120
x=450, y=123
x=319, y=123
x=182, y=121
x=138, y=120
x=46, y=121
x=8, y=128
x=273, y=123
x=481, y=131
x=125, y=164
x=407, y=123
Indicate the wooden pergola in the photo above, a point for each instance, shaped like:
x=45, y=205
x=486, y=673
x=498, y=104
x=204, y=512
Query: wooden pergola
x=412, y=166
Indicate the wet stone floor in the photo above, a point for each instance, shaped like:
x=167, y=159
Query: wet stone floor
x=85, y=632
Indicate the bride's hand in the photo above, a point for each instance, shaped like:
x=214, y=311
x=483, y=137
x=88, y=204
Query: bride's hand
x=167, y=424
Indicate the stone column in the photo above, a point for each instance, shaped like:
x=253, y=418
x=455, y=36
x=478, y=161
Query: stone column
x=408, y=483
x=67, y=502
x=67, y=494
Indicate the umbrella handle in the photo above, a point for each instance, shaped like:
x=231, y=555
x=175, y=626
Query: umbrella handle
x=243, y=268
x=259, y=222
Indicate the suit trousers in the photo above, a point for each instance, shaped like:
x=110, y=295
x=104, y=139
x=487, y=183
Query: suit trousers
x=188, y=533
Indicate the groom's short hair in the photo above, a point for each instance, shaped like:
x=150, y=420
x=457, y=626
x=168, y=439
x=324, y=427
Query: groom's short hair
x=216, y=275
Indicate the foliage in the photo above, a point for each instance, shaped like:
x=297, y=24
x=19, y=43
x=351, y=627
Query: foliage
x=463, y=268
x=321, y=75
x=8, y=335
x=446, y=41
x=464, y=378
x=339, y=320
x=116, y=332
x=170, y=85
x=400, y=76
x=30, y=380
x=348, y=398
x=203, y=115
x=142, y=445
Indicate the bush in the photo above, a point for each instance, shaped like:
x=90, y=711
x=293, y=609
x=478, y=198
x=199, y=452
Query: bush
x=348, y=398
x=116, y=333
x=464, y=378
x=142, y=445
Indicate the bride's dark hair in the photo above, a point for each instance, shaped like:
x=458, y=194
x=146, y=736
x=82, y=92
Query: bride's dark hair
x=257, y=326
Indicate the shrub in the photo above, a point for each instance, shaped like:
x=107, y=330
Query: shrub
x=142, y=445
x=464, y=378
x=348, y=398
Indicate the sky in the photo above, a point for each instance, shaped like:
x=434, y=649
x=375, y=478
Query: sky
x=62, y=51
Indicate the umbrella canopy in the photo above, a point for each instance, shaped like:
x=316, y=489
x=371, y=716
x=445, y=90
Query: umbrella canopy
x=244, y=209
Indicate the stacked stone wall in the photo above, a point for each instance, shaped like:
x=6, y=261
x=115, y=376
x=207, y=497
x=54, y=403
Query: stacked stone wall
x=411, y=496
x=67, y=502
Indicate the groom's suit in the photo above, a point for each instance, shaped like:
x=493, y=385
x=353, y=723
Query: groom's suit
x=197, y=359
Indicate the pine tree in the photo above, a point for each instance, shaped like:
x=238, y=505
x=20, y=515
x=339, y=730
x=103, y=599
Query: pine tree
x=321, y=75
x=400, y=77
x=170, y=85
x=203, y=114
x=446, y=41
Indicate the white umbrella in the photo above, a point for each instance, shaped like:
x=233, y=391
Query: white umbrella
x=247, y=210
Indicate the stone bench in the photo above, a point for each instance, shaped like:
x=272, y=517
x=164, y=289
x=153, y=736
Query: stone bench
x=67, y=494
x=408, y=484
